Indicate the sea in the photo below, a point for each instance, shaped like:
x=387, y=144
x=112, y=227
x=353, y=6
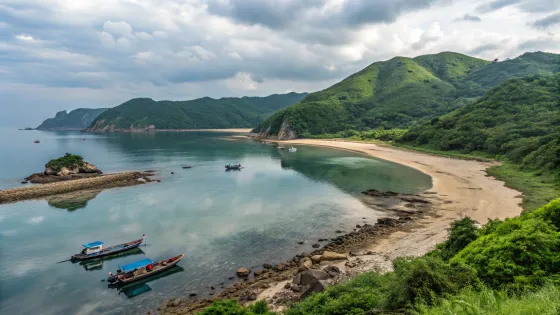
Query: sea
x=220, y=220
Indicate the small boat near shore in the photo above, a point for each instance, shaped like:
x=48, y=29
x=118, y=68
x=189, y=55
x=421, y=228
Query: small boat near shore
x=36, y=141
x=142, y=269
x=95, y=249
x=186, y=166
x=292, y=149
x=233, y=167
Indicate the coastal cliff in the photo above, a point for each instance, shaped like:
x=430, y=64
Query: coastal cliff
x=75, y=120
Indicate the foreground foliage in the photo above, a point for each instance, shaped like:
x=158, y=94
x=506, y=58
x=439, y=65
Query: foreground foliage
x=231, y=307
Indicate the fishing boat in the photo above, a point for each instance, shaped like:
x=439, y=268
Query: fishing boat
x=186, y=166
x=36, y=141
x=95, y=249
x=292, y=149
x=142, y=269
x=233, y=166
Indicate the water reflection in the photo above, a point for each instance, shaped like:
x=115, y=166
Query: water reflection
x=140, y=287
x=73, y=201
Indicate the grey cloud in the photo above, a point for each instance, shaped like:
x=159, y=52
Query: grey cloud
x=524, y=5
x=540, y=44
x=360, y=12
x=547, y=21
x=484, y=48
x=470, y=18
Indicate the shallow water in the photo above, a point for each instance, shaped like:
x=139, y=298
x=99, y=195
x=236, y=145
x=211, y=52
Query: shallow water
x=219, y=220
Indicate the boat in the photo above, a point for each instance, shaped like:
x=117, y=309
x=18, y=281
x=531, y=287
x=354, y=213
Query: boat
x=292, y=149
x=139, y=287
x=233, y=167
x=91, y=264
x=95, y=249
x=142, y=269
x=280, y=148
x=186, y=166
x=36, y=141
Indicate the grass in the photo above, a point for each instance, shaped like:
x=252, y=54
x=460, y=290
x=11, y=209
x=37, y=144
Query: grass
x=545, y=301
x=537, y=188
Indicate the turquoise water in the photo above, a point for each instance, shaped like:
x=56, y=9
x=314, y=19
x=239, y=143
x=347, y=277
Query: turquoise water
x=219, y=220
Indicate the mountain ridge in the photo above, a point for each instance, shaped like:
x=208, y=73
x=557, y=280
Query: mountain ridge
x=400, y=92
x=76, y=119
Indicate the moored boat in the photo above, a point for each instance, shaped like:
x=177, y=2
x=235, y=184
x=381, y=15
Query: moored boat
x=292, y=149
x=142, y=269
x=233, y=166
x=95, y=249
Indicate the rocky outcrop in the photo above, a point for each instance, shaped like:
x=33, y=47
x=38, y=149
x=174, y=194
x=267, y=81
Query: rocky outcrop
x=70, y=172
x=286, y=132
x=243, y=272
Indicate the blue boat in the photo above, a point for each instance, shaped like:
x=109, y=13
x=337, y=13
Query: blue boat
x=142, y=269
x=96, y=250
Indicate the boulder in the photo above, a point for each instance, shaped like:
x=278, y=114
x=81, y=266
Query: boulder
x=316, y=258
x=328, y=256
x=88, y=168
x=243, y=272
x=318, y=286
x=257, y=273
x=316, y=245
x=332, y=270
x=305, y=264
x=267, y=266
x=309, y=276
x=64, y=172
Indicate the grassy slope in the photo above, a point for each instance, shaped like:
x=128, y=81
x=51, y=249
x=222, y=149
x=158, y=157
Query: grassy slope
x=402, y=92
x=77, y=119
x=200, y=113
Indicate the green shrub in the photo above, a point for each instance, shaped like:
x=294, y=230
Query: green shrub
x=68, y=161
x=231, y=307
x=461, y=234
x=427, y=279
x=520, y=253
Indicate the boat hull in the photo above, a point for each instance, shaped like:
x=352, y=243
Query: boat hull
x=123, y=281
x=117, y=249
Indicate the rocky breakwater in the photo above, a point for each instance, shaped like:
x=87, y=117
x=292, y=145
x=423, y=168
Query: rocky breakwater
x=305, y=273
x=70, y=174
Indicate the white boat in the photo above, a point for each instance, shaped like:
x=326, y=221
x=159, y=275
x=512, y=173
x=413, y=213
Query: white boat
x=292, y=149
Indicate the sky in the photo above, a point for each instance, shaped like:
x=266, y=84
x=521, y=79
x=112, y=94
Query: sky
x=66, y=54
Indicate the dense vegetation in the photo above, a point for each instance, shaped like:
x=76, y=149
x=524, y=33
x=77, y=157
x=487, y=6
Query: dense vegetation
x=505, y=267
x=68, y=161
x=77, y=119
x=244, y=112
x=402, y=92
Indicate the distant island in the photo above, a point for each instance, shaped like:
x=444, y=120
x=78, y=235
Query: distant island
x=77, y=119
x=27, y=128
x=142, y=114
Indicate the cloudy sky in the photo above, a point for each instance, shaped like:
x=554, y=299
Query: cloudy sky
x=65, y=54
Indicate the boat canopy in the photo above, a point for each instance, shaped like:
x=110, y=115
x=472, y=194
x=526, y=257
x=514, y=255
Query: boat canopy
x=93, y=244
x=136, y=265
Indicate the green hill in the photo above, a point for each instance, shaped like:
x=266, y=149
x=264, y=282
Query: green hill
x=141, y=113
x=77, y=119
x=520, y=120
x=400, y=93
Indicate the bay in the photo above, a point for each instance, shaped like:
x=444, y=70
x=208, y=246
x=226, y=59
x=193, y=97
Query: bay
x=219, y=220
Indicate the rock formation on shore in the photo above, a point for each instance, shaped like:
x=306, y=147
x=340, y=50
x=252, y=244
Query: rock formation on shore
x=65, y=168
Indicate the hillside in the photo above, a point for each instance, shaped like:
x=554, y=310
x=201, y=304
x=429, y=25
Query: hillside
x=141, y=113
x=77, y=119
x=400, y=93
x=519, y=120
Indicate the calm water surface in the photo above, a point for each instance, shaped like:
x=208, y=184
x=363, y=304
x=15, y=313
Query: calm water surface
x=219, y=220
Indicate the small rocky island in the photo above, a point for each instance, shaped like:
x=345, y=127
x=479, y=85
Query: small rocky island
x=68, y=167
x=71, y=174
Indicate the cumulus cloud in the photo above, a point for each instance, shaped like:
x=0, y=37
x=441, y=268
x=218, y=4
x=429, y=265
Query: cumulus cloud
x=103, y=52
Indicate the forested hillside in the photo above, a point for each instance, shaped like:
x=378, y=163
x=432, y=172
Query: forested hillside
x=518, y=120
x=244, y=112
x=77, y=119
x=400, y=93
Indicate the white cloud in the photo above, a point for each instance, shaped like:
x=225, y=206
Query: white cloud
x=36, y=220
x=118, y=29
x=25, y=38
x=242, y=81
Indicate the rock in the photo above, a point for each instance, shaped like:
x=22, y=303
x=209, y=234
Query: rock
x=387, y=221
x=174, y=302
x=300, y=242
x=377, y=193
x=265, y=285
x=257, y=273
x=231, y=278
x=243, y=272
x=192, y=294
x=358, y=226
x=318, y=286
x=24, y=182
x=212, y=288
x=316, y=245
x=64, y=172
x=328, y=256
x=252, y=296
x=287, y=285
x=142, y=180
x=88, y=168
x=305, y=264
x=172, y=173
x=316, y=258
x=267, y=266
x=332, y=271
x=295, y=288
x=310, y=276
x=281, y=267
x=338, y=231
x=323, y=240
